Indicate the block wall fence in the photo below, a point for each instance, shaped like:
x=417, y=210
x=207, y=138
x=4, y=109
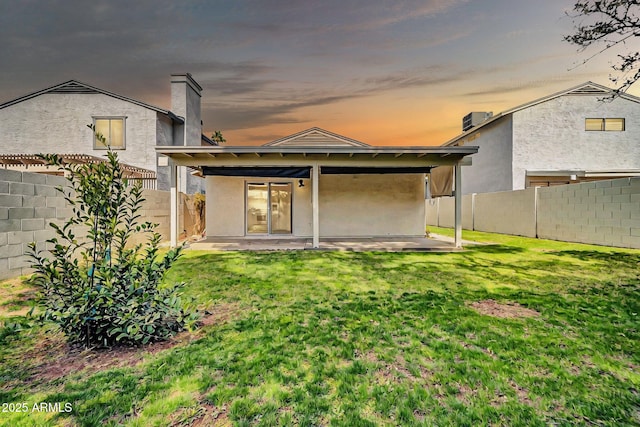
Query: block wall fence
x=30, y=201
x=600, y=212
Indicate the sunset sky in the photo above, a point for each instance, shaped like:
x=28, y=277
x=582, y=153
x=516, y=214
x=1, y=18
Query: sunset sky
x=383, y=72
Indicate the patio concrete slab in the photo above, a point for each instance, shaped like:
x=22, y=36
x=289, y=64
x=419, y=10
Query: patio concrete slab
x=434, y=243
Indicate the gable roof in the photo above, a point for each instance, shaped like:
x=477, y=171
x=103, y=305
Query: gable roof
x=74, y=86
x=315, y=137
x=588, y=88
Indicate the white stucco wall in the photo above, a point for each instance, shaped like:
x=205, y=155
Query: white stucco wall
x=552, y=136
x=57, y=123
x=226, y=206
x=372, y=205
x=350, y=205
x=491, y=166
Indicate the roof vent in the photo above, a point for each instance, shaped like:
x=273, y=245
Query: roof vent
x=474, y=119
x=73, y=87
x=588, y=90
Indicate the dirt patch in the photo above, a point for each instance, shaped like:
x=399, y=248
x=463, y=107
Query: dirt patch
x=511, y=310
x=522, y=393
x=54, y=358
x=204, y=416
x=466, y=394
x=395, y=371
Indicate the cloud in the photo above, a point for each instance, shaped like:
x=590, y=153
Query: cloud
x=277, y=102
x=526, y=84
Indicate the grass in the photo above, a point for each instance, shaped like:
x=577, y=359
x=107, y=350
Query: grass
x=367, y=339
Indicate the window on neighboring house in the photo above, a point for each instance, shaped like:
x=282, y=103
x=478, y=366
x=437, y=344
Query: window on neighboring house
x=112, y=128
x=604, y=125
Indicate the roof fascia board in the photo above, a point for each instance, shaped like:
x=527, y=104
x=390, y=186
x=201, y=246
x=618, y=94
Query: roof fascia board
x=261, y=149
x=300, y=161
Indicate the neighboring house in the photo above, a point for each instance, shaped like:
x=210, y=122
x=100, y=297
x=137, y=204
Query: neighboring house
x=55, y=120
x=571, y=136
x=315, y=184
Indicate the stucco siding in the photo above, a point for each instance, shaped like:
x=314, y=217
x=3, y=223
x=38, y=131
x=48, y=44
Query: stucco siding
x=350, y=206
x=302, y=209
x=372, y=205
x=225, y=206
x=491, y=166
x=57, y=123
x=552, y=136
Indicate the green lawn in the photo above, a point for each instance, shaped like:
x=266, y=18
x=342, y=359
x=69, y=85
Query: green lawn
x=362, y=339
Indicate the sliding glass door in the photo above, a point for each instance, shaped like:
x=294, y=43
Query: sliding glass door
x=269, y=208
x=257, y=208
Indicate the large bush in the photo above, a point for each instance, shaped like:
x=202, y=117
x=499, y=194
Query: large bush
x=101, y=290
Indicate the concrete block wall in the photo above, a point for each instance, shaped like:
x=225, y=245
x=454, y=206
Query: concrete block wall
x=468, y=206
x=156, y=209
x=431, y=211
x=441, y=211
x=446, y=212
x=507, y=212
x=30, y=201
x=602, y=212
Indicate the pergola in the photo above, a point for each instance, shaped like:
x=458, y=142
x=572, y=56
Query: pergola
x=34, y=163
x=313, y=162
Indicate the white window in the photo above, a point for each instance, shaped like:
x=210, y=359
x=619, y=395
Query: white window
x=614, y=124
x=113, y=131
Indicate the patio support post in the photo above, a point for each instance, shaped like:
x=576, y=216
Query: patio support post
x=458, y=204
x=315, y=184
x=174, y=204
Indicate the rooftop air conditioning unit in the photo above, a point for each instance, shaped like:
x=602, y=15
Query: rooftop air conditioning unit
x=474, y=119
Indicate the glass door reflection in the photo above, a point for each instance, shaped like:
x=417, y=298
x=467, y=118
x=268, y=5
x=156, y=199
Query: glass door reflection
x=257, y=209
x=269, y=208
x=280, y=208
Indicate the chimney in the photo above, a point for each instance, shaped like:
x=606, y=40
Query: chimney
x=185, y=103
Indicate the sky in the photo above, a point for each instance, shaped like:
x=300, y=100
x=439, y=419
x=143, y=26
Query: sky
x=384, y=72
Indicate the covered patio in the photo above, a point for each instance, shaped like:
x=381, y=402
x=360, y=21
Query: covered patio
x=338, y=192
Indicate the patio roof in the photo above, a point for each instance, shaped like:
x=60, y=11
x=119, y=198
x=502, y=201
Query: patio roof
x=277, y=155
x=313, y=153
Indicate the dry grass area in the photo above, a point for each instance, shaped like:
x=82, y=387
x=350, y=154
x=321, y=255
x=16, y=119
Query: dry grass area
x=505, y=310
x=52, y=358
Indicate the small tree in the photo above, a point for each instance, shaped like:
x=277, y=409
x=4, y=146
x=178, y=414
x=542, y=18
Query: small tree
x=216, y=136
x=610, y=24
x=101, y=290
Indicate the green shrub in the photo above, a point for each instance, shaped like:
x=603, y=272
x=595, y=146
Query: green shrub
x=101, y=290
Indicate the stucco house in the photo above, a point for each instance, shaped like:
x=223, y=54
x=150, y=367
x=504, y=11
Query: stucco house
x=576, y=135
x=315, y=184
x=54, y=120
